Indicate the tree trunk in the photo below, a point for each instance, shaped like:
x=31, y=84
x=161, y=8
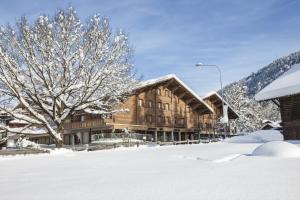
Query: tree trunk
x=59, y=143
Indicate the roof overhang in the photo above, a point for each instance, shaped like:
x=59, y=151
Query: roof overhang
x=217, y=99
x=288, y=84
x=177, y=86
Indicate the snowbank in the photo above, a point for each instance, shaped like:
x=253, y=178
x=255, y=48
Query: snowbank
x=117, y=140
x=61, y=151
x=260, y=136
x=149, y=173
x=277, y=149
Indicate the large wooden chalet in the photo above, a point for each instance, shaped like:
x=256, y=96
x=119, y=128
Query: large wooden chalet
x=285, y=92
x=162, y=109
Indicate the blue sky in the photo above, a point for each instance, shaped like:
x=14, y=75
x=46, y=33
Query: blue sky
x=170, y=36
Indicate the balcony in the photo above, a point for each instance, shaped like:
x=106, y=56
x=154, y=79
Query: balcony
x=92, y=123
x=179, y=125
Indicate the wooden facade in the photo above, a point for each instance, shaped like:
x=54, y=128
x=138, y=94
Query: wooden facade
x=166, y=110
x=290, y=116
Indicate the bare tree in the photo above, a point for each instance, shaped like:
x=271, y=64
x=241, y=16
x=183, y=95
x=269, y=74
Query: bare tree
x=57, y=66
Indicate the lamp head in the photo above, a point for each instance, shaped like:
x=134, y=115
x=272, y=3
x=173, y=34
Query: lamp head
x=199, y=65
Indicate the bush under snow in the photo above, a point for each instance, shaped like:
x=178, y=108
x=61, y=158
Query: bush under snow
x=277, y=149
x=260, y=136
x=24, y=142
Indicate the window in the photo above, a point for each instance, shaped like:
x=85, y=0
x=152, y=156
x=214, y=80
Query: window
x=159, y=119
x=76, y=118
x=141, y=103
x=167, y=106
x=2, y=122
x=150, y=104
x=149, y=118
x=82, y=118
x=158, y=92
x=181, y=121
x=188, y=109
x=167, y=93
x=168, y=120
x=159, y=105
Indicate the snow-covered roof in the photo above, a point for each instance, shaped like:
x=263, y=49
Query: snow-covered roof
x=286, y=85
x=169, y=77
x=28, y=131
x=214, y=93
x=273, y=123
x=18, y=121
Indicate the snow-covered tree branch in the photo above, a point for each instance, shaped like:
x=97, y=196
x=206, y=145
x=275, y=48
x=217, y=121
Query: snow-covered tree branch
x=58, y=66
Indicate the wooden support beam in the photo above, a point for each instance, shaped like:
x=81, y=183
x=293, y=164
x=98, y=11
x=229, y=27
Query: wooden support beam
x=200, y=113
x=168, y=83
x=276, y=102
x=196, y=106
x=215, y=101
x=182, y=95
x=189, y=101
x=175, y=89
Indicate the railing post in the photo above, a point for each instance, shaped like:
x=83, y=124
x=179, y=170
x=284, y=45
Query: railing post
x=155, y=136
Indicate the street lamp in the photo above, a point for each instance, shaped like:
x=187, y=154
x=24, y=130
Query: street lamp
x=221, y=83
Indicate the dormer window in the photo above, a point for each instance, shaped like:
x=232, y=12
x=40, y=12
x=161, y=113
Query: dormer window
x=141, y=103
x=159, y=105
x=158, y=91
x=167, y=93
x=150, y=104
x=167, y=106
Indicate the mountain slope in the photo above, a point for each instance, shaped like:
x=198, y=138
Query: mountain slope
x=240, y=94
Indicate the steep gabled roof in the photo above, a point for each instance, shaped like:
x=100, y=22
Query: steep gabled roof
x=232, y=114
x=169, y=77
x=286, y=85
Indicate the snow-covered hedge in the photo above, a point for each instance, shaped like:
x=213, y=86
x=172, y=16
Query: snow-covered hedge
x=257, y=137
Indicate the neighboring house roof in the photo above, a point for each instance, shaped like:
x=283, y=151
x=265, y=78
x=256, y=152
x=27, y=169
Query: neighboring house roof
x=162, y=79
x=268, y=124
x=232, y=114
x=286, y=85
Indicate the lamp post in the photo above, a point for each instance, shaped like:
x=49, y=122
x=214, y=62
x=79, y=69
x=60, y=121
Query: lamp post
x=221, y=83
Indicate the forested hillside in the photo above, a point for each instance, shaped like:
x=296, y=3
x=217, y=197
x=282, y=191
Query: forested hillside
x=240, y=94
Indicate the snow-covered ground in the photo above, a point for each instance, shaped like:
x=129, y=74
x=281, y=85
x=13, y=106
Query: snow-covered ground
x=222, y=170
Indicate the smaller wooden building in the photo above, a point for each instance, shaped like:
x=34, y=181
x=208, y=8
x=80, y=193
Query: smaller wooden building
x=214, y=100
x=285, y=92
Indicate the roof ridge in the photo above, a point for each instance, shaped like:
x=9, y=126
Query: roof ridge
x=170, y=76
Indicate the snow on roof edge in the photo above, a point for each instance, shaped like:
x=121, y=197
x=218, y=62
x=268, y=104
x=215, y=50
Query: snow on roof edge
x=287, y=84
x=170, y=76
x=280, y=93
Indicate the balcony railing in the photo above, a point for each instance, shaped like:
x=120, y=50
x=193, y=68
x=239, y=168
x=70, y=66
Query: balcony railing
x=179, y=126
x=86, y=124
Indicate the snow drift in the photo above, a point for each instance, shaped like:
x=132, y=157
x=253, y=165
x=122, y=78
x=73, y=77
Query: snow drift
x=261, y=136
x=277, y=149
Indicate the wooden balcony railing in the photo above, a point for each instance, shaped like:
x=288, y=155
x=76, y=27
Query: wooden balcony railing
x=86, y=124
x=179, y=125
